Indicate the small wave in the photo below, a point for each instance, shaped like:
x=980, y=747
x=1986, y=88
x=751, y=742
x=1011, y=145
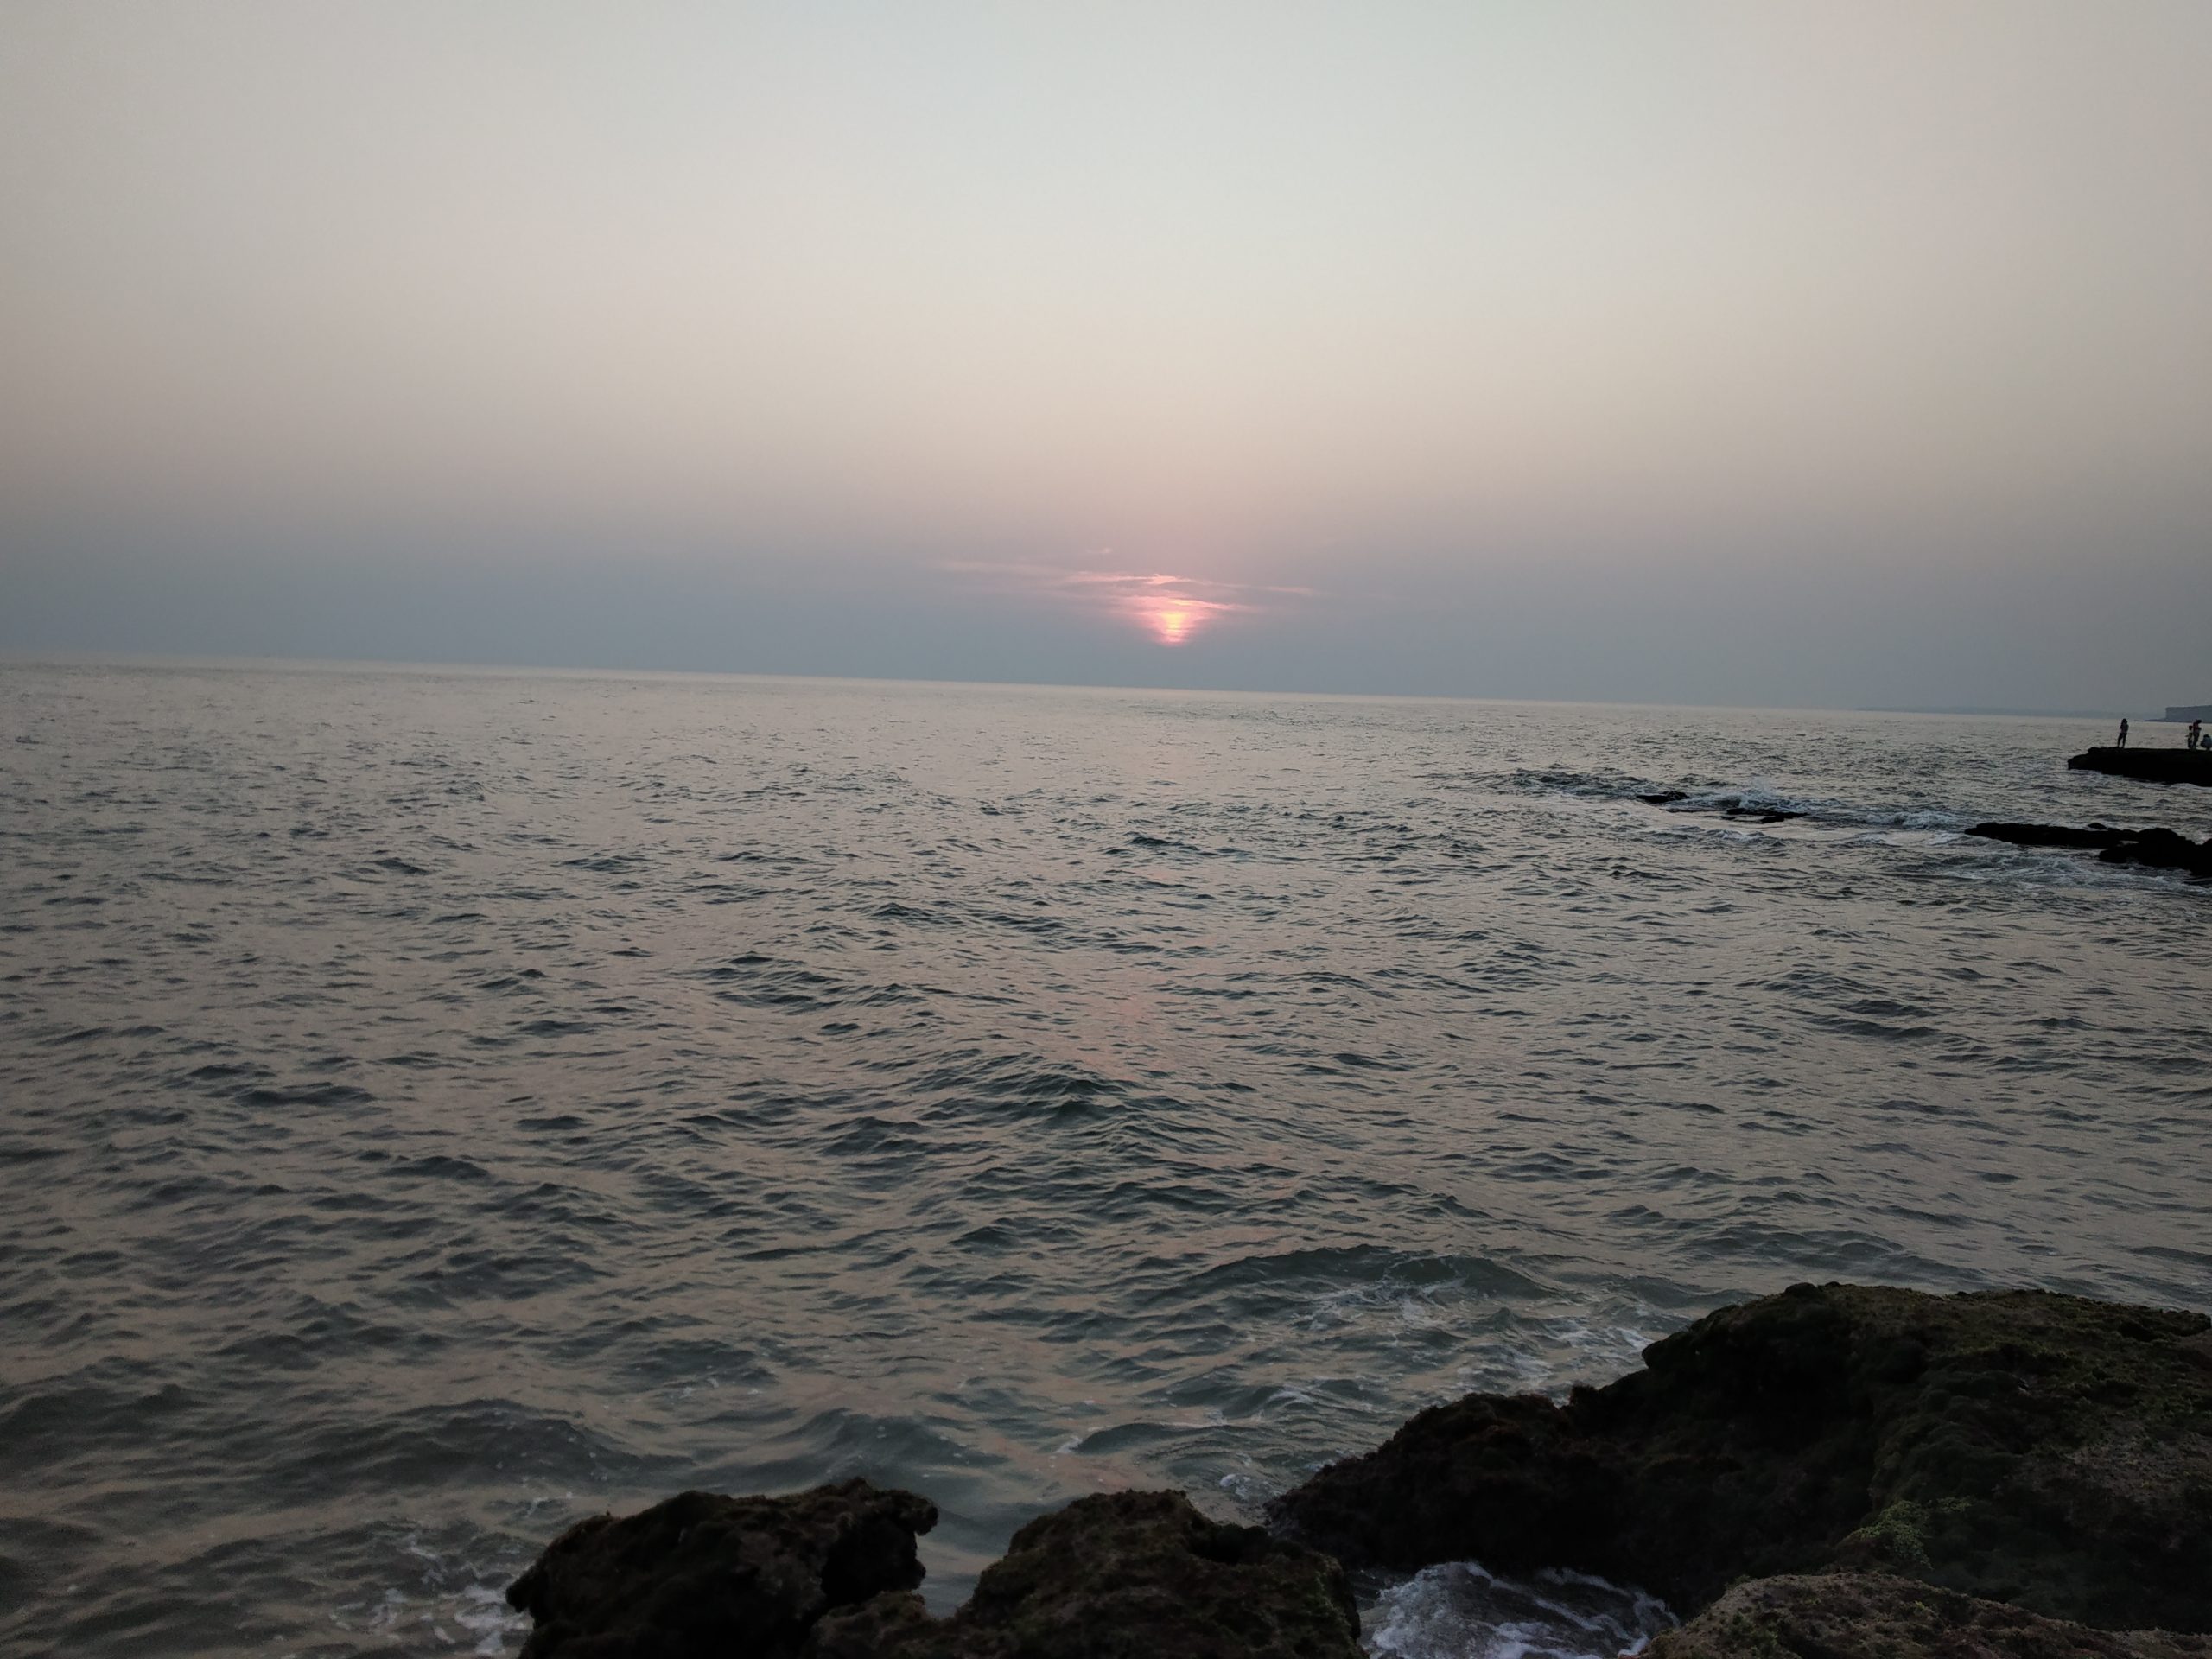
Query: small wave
x=892, y=911
x=1167, y=843
x=605, y=863
x=260, y=1098
x=1363, y=1270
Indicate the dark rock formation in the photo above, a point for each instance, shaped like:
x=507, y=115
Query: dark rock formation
x=1736, y=809
x=701, y=1574
x=822, y=1574
x=2160, y=848
x=1863, y=1615
x=2041, y=1449
x=2152, y=766
x=1122, y=1574
x=2051, y=834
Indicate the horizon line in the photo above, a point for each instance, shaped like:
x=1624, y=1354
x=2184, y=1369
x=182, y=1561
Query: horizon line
x=12, y=657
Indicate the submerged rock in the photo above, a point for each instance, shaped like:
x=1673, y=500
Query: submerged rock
x=1865, y=1616
x=2042, y=1449
x=2163, y=849
x=702, y=1575
x=823, y=1574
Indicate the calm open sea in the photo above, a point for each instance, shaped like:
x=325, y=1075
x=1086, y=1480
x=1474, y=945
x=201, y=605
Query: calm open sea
x=435, y=1106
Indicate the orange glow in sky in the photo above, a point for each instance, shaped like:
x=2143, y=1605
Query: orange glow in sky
x=1170, y=614
x=1169, y=620
x=1173, y=609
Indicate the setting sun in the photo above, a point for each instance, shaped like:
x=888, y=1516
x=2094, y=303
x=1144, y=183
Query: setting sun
x=1163, y=608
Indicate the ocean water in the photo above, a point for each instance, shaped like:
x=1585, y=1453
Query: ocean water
x=437, y=1106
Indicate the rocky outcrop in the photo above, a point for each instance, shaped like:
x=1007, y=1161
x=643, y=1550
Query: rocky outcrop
x=703, y=1574
x=1864, y=1616
x=2162, y=849
x=1120, y=1575
x=1732, y=809
x=825, y=1575
x=2152, y=766
x=1930, y=1458
x=2052, y=835
x=2045, y=1449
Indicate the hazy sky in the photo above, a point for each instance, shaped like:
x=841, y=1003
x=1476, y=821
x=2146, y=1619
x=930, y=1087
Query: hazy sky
x=1772, y=353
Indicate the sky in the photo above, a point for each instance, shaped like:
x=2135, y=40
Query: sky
x=1772, y=353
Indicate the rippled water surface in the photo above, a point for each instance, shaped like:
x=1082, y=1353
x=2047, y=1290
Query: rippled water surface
x=434, y=1107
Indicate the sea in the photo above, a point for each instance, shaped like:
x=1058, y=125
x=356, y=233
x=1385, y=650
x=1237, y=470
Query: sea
x=439, y=1105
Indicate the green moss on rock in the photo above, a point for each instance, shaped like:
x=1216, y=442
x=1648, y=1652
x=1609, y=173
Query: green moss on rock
x=1863, y=1615
x=2047, y=1450
x=1123, y=1575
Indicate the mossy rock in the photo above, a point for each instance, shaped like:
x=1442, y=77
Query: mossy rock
x=1122, y=1575
x=828, y=1574
x=1863, y=1615
x=2045, y=1449
x=704, y=1574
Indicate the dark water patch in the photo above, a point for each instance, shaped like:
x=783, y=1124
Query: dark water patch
x=556, y=1027
x=607, y=863
x=52, y=1424
x=439, y=1168
x=322, y=1096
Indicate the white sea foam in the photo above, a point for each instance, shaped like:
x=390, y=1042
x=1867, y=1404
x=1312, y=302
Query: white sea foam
x=1460, y=1610
x=482, y=1610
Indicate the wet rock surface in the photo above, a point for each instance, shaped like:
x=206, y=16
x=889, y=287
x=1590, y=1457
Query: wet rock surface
x=1866, y=1616
x=825, y=1574
x=2004, y=1475
x=2045, y=1449
x=1120, y=1574
x=702, y=1575
x=1738, y=810
x=2160, y=848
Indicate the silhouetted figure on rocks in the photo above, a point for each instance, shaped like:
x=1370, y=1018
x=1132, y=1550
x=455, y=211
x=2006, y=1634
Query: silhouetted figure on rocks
x=2123, y=733
x=2195, y=734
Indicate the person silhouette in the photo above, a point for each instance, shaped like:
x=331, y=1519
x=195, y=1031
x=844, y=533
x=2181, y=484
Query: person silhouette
x=2196, y=733
x=2123, y=733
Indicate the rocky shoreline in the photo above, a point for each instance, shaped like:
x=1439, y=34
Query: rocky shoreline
x=1827, y=1473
